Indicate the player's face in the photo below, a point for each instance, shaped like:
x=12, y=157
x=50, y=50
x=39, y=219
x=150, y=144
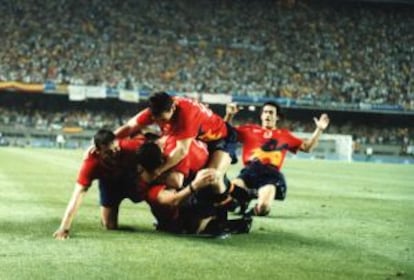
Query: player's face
x=269, y=117
x=110, y=152
x=165, y=116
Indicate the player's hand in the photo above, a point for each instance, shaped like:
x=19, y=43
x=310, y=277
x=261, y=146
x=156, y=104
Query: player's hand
x=323, y=122
x=61, y=234
x=204, y=178
x=157, y=173
x=91, y=149
x=232, y=108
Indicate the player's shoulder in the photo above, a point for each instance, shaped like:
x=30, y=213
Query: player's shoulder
x=183, y=101
x=131, y=143
x=153, y=190
x=90, y=159
x=90, y=154
x=283, y=130
x=251, y=127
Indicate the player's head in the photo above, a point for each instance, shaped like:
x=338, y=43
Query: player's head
x=271, y=113
x=105, y=144
x=161, y=106
x=149, y=156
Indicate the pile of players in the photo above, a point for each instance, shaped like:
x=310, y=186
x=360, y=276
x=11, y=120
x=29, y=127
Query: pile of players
x=180, y=170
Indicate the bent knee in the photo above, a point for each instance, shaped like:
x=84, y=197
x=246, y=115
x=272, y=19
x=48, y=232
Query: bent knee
x=109, y=225
x=262, y=209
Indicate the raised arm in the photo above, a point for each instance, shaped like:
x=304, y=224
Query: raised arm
x=321, y=124
x=231, y=111
x=62, y=232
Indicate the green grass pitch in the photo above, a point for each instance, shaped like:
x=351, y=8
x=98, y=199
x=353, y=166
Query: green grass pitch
x=339, y=221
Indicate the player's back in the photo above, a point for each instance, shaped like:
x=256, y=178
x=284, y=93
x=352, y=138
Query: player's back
x=200, y=120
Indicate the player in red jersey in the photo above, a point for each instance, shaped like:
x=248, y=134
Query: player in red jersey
x=112, y=162
x=196, y=208
x=196, y=159
x=186, y=119
x=264, y=151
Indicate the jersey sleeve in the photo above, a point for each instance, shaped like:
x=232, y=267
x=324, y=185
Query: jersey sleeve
x=242, y=131
x=293, y=141
x=87, y=173
x=144, y=118
x=131, y=145
x=152, y=193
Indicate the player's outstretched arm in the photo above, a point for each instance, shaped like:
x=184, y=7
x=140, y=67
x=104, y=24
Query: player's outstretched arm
x=321, y=124
x=62, y=232
x=128, y=129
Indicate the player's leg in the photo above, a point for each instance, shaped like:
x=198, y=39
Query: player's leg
x=245, y=187
x=239, y=182
x=220, y=161
x=110, y=199
x=222, y=155
x=270, y=185
x=266, y=195
x=109, y=217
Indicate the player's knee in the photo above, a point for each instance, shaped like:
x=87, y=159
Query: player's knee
x=109, y=220
x=109, y=225
x=262, y=209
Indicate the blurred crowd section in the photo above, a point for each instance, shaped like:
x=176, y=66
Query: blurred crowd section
x=41, y=117
x=310, y=50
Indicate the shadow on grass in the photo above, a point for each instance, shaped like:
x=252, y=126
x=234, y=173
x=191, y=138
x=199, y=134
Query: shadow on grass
x=44, y=228
x=259, y=236
x=258, y=239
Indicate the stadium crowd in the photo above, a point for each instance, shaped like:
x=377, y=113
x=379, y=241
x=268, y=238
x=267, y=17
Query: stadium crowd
x=348, y=53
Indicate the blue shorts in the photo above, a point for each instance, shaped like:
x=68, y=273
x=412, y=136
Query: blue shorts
x=256, y=175
x=113, y=191
x=227, y=144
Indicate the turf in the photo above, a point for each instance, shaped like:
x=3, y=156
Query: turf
x=339, y=221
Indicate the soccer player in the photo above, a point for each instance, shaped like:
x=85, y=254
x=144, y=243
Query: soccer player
x=264, y=150
x=196, y=208
x=186, y=119
x=112, y=162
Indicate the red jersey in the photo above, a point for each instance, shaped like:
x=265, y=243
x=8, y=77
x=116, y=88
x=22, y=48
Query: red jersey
x=196, y=158
x=94, y=168
x=191, y=119
x=269, y=146
x=166, y=215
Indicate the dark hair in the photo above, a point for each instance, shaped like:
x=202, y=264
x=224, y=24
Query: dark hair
x=160, y=102
x=275, y=105
x=103, y=137
x=150, y=156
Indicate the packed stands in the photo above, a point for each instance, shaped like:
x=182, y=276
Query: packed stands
x=312, y=51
